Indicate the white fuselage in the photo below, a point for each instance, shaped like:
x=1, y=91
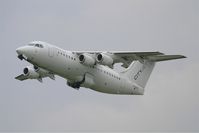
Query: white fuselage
x=91, y=69
x=98, y=77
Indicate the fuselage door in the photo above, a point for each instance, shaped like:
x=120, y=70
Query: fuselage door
x=50, y=51
x=35, y=50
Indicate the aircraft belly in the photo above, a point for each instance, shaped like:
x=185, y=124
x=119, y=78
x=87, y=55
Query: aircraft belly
x=106, y=84
x=116, y=87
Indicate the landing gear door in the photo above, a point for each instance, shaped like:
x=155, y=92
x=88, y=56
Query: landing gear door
x=89, y=80
x=50, y=51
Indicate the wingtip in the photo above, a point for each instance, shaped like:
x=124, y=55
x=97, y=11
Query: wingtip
x=184, y=56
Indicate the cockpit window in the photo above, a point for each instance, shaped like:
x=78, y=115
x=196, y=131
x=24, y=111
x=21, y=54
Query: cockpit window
x=36, y=45
x=39, y=45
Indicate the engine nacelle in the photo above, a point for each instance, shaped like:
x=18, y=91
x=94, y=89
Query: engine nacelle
x=86, y=60
x=104, y=59
x=30, y=72
x=42, y=72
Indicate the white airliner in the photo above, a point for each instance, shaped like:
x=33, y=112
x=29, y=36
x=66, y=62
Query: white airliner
x=91, y=69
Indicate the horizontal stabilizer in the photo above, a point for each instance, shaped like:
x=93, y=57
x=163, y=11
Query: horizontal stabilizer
x=164, y=57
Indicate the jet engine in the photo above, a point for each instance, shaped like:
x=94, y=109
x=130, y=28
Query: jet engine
x=104, y=59
x=42, y=72
x=30, y=72
x=86, y=60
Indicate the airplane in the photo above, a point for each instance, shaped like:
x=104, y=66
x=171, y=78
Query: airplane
x=91, y=69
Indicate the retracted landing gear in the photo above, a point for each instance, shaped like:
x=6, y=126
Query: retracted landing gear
x=76, y=85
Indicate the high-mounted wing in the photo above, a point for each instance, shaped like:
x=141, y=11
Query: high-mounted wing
x=110, y=58
x=164, y=57
x=127, y=57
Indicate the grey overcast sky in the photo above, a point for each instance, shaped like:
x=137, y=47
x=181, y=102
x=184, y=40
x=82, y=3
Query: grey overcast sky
x=171, y=96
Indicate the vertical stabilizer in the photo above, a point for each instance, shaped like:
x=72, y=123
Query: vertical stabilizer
x=139, y=73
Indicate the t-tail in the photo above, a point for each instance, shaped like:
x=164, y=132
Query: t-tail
x=139, y=71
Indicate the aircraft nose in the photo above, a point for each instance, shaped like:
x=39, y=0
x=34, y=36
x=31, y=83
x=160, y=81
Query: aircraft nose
x=20, y=50
x=23, y=52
